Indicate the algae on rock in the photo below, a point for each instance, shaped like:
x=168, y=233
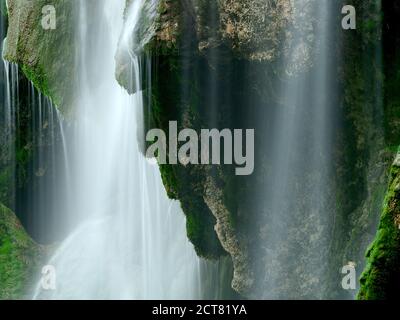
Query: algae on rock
x=381, y=277
x=19, y=257
x=45, y=56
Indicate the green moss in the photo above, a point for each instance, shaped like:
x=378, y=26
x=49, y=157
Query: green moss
x=40, y=80
x=46, y=56
x=184, y=184
x=167, y=37
x=6, y=185
x=19, y=256
x=199, y=226
x=164, y=103
x=169, y=180
x=180, y=92
x=382, y=274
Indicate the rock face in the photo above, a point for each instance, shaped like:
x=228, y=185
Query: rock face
x=45, y=56
x=381, y=277
x=19, y=257
x=133, y=41
x=212, y=59
x=206, y=53
x=210, y=42
x=243, y=280
x=256, y=29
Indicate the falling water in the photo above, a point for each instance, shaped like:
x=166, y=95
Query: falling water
x=10, y=73
x=296, y=197
x=30, y=135
x=130, y=239
x=47, y=168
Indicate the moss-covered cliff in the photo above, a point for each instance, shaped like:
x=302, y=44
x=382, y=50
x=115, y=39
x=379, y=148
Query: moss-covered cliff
x=19, y=257
x=217, y=64
x=210, y=69
x=361, y=159
x=380, y=280
x=202, y=69
x=45, y=55
x=381, y=276
x=180, y=78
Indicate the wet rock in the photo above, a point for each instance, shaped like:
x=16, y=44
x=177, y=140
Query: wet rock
x=19, y=257
x=45, y=56
x=242, y=277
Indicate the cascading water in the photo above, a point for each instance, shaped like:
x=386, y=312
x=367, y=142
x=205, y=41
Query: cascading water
x=47, y=167
x=9, y=72
x=30, y=134
x=298, y=220
x=86, y=179
x=130, y=240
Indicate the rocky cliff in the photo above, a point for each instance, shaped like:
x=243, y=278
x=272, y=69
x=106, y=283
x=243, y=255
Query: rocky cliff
x=45, y=55
x=219, y=64
x=208, y=51
x=19, y=257
x=381, y=276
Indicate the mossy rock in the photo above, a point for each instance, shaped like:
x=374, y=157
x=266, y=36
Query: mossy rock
x=19, y=257
x=45, y=56
x=381, y=278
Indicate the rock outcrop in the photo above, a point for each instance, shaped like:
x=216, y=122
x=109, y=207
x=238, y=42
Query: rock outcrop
x=243, y=279
x=20, y=257
x=223, y=43
x=45, y=55
x=381, y=278
x=211, y=58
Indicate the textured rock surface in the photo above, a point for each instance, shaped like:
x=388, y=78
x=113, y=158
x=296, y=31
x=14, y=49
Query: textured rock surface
x=133, y=42
x=215, y=45
x=19, y=257
x=382, y=275
x=255, y=28
x=242, y=278
x=204, y=47
x=199, y=38
x=45, y=56
x=167, y=26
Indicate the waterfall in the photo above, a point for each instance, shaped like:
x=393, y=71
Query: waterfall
x=298, y=220
x=129, y=240
x=10, y=73
x=30, y=131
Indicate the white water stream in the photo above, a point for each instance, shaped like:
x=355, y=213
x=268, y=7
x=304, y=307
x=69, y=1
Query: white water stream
x=130, y=241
